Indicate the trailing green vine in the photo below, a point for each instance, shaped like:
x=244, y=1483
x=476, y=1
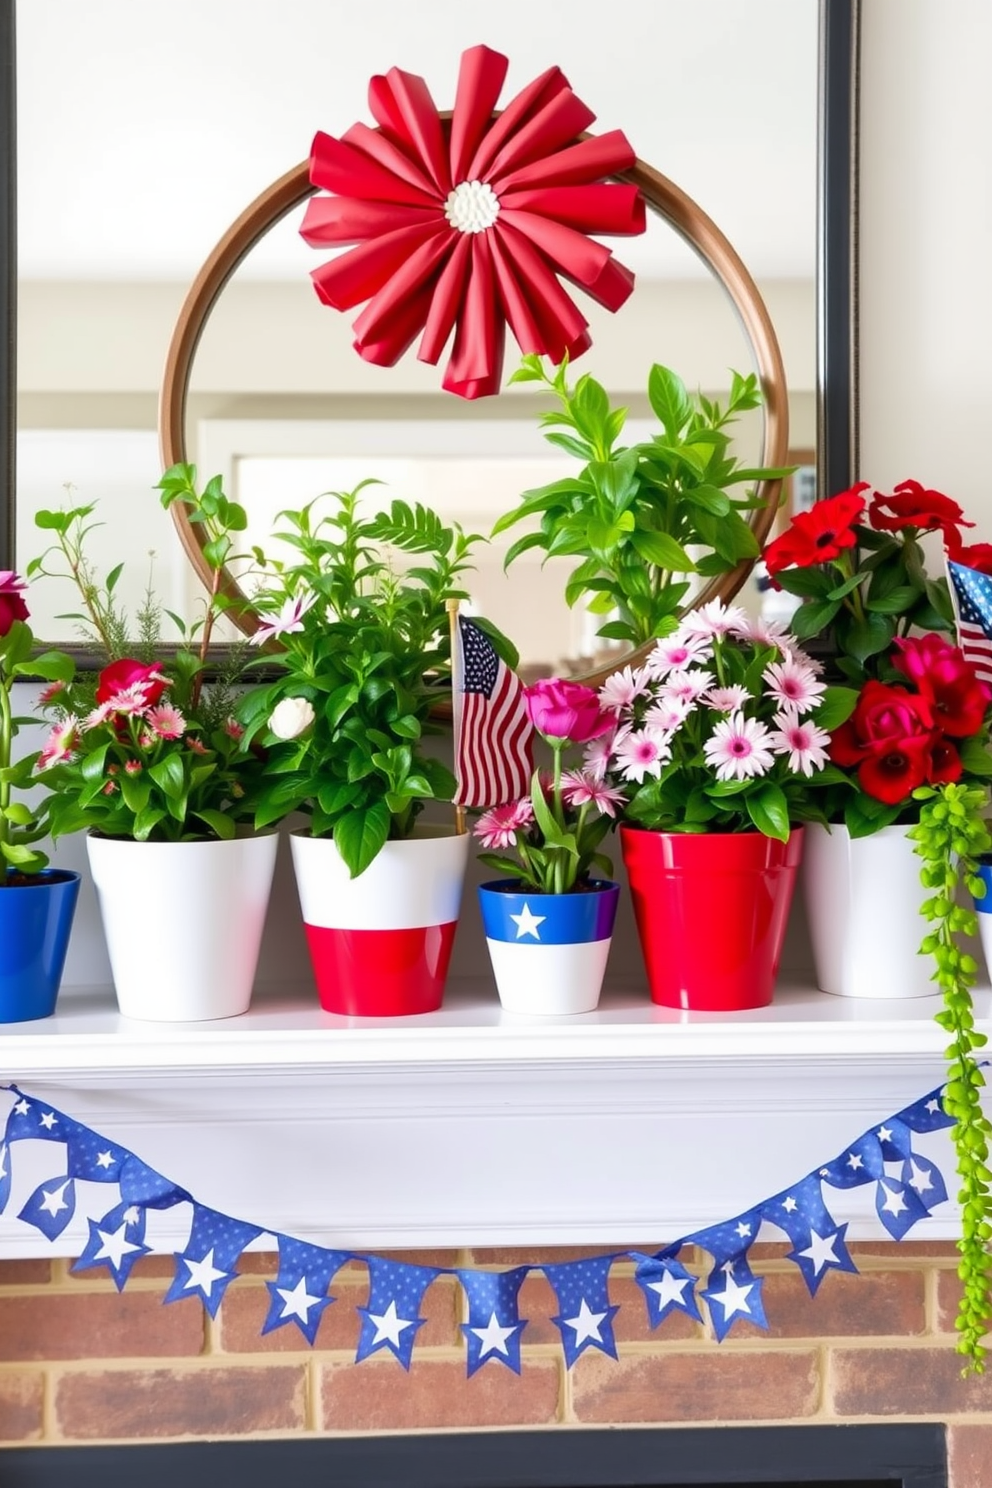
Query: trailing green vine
x=950, y=839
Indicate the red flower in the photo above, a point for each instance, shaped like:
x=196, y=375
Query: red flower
x=912, y=505
x=465, y=226
x=125, y=675
x=566, y=710
x=818, y=535
x=12, y=606
x=888, y=738
x=945, y=763
x=950, y=684
x=971, y=555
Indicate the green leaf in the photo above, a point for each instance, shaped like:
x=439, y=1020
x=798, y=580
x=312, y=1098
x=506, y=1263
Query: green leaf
x=896, y=602
x=222, y=825
x=836, y=707
x=169, y=776
x=813, y=617
x=360, y=835
x=868, y=637
x=662, y=550
x=806, y=583
x=669, y=400
x=975, y=757
x=769, y=810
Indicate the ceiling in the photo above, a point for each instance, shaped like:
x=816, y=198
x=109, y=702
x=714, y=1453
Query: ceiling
x=145, y=126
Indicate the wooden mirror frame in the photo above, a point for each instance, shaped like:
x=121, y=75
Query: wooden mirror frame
x=664, y=198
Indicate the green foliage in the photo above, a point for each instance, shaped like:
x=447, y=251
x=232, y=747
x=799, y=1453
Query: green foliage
x=21, y=825
x=370, y=655
x=950, y=840
x=633, y=512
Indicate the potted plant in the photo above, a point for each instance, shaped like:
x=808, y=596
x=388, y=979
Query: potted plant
x=146, y=757
x=637, y=515
x=548, y=928
x=365, y=653
x=37, y=903
x=720, y=740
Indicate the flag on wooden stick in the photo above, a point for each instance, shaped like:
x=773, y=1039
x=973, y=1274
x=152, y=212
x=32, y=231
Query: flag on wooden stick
x=493, y=733
x=971, y=595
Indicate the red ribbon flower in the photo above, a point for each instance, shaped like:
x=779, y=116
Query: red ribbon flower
x=465, y=225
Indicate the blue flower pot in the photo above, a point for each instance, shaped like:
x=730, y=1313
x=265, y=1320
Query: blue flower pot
x=548, y=951
x=35, y=921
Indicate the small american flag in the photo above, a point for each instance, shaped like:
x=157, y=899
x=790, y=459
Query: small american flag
x=493, y=759
x=971, y=595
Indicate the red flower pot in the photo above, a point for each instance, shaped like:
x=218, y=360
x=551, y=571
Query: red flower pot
x=711, y=910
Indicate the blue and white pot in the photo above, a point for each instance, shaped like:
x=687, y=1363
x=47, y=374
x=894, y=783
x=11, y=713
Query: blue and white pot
x=548, y=950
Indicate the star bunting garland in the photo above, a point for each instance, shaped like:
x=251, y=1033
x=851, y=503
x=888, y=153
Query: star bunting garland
x=907, y=1186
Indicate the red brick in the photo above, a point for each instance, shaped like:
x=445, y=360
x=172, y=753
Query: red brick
x=245, y=1308
x=24, y=1273
x=145, y=1268
x=948, y=1298
x=94, y=1325
x=906, y=1250
x=22, y=1401
x=446, y=1259
x=381, y=1396
x=554, y=1255
x=906, y=1382
x=709, y=1385
x=875, y=1302
x=969, y=1455
x=135, y=1404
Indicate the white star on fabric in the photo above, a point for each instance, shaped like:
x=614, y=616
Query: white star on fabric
x=527, y=922
x=895, y=1203
x=494, y=1336
x=920, y=1179
x=53, y=1202
x=734, y=1297
x=670, y=1288
x=203, y=1273
x=789, y=1205
x=115, y=1247
x=22, y=1108
x=298, y=1301
x=933, y=1106
x=883, y=1134
x=3, y=1154
x=104, y=1159
x=132, y=1215
x=821, y=1251
x=388, y=1325
x=587, y=1323
x=855, y=1161
x=743, y=1229
x=48, y=1120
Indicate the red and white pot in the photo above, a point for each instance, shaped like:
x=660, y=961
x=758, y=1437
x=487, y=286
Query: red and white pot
x=380, y=943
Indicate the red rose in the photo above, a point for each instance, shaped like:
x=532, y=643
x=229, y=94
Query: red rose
x=566, y=710
x=122, y=676
x=950, y=684
x=912, y=505
x=12, y=606
x=888, y=738
x=818, y=535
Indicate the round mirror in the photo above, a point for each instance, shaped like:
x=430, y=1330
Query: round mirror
x=439, y=467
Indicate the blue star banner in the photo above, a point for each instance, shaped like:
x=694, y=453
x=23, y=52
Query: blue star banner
x=907, y=1185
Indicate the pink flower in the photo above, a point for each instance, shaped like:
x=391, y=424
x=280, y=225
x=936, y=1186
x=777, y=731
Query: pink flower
x=726, y=699
x=131, y=679
x=642, y=752
x=738, y=748
x=581, y=789
x=804, y=743
x=559, y=709
x=61, y=744
x=166, y=721
x=129, y=701
x=499, y=827
x=50, y=693
x=714, y=619
x=132, y=767
x=288, y=620
x=12, y=606
x=233, y=729
x=794, y=682
x=677, y=652
x=667, y=714
x=620, y=690
x=686, y=687
x=765, y=633
x=596, y=759
x=197, y=745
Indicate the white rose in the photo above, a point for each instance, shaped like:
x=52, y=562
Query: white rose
x=291, y=718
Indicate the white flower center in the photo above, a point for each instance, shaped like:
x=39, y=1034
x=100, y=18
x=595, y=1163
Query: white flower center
x=472, y=206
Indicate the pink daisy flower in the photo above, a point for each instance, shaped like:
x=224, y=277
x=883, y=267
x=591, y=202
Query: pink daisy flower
x=166, y=721
x=289, y=619
x=738, y=748
x=726, y=699
x=233, y=729
x=794, y=682
x=50, y=693
x=596, y=758
x=765, y=633
x=686, y=687
x=99, y=715
x=642, y=752
x=129, y=700
x=799, y=738
x=620, y=690
x=667, y=714
x=499, y=827
x=714, y=619
x=61, y=744
x=197, y=745
x=676, y=652
x=580, y=789
x=132, y=767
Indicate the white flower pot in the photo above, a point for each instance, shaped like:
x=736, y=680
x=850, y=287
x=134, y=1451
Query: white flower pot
x=863, y=899
x=380, y=943
x=183, y=922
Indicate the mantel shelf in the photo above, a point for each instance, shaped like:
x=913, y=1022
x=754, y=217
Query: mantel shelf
x=470, y=1126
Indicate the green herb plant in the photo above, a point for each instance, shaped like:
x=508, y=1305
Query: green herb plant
x=950, y=839
x=634, y=513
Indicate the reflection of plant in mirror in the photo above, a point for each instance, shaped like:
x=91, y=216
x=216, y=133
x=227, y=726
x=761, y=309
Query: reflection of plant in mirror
x=633, y=512
x=365, y=644
x=146, y=749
